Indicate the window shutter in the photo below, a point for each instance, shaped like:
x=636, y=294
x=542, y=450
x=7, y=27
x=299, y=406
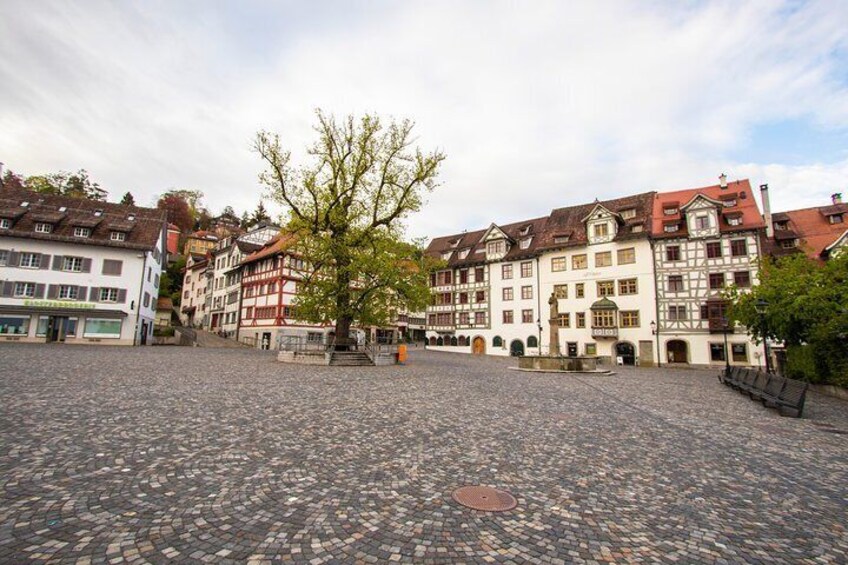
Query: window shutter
x=39, y=291
x=14, y=259
x=94, y=294
x=57, y=262
x=122, y=295
x=44, y=262
x=7, y=288
x=86, y=265
x=53, y=291
x=81, y=293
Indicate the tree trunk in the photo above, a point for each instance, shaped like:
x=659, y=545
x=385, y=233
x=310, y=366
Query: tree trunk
x=343, y=299
x=343, y=333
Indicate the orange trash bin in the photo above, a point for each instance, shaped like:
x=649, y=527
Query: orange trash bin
x=401, y=354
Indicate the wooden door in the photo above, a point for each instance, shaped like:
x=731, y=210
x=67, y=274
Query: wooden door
x=478, y=346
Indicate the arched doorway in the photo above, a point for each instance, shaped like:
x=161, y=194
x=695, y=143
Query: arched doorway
x=462, y=341
x=453, y=341
x=478, y=346
x=516, y=348
x=440, y=342
x=497, y=341
x=626, y=351
x=532, y=342
x=677, y=351
x=433, y=341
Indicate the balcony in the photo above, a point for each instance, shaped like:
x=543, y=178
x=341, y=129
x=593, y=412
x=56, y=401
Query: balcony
x=716, y=326
x=605, y=332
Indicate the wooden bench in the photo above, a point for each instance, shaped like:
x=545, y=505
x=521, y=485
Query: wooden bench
x=774, y=391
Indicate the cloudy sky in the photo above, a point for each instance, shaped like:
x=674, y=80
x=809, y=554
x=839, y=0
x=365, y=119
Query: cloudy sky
x=537, y=104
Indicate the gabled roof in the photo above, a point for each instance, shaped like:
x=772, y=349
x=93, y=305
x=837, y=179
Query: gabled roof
x=746, y=206
x=812, y=227
x=143, y=226
x=275, y=246
x=604, y=210
x=475, y=244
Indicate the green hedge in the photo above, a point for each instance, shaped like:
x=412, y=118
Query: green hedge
x=163, y=332
x=808, y=363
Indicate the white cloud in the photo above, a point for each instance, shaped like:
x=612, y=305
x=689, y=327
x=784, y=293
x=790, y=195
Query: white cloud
x=537, y=105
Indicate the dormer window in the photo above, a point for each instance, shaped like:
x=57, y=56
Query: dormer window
x=446, y=255
x=496, y=247
x=561, y=238
x=525, y=230
x=63, y=208
x=131, y=217
x=118, y=236
x=670, y=210
x=671, y=228
x=702, y=222
x=5, y=224
x=464, y=253
x=789, y=243
x=24, y=204
x=43, y=227
x=525, y=243
x=729, y=203
x=781, y=226
x=835, y=218
x=734, y=220
x=628, y=213
x=601, y=230
x=98, y=212
x=637, y=228
x=82, y=232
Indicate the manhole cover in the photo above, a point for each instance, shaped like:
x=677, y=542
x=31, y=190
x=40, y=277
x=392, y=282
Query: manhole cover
x=487, y=499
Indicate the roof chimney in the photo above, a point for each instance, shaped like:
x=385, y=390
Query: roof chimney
x=722, y=181
x=767, y=210
x=836, y=197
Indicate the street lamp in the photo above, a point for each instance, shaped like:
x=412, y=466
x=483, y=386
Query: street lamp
x=761, y=307
x=656, y=333
x=726, y=327
x=539, y=324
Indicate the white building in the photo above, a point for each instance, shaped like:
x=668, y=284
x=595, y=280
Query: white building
x=494, y=297
x=193, y=310
x=78, y=271
x=705, y=239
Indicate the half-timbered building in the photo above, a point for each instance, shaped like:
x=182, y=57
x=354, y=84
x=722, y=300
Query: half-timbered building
x=704, y=240
x=820, y=232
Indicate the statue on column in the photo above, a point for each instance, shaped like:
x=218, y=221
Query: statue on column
x=553, y=349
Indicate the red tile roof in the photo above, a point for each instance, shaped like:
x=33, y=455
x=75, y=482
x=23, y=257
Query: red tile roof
x=746, y=206
x=274, y=246
x=812, y=227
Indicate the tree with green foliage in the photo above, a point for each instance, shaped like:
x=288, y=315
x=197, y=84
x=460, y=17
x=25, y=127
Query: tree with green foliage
x=346, y=210
x=260, y=215
x=128, y=199
x=12, y=180
x=74, y=185
x=806, y=308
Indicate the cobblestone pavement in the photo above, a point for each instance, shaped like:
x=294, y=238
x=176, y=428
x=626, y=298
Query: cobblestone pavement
x=195, y=455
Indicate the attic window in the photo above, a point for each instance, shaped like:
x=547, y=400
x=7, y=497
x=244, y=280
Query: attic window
x=63, y=208
x=561, y=238
x=82, y=232
x=496, y=247
x=5, y=224
x=789, y=243
x=525, y=230
x=446, y=255
x=454, y=243
x=671, y=228
x=24, y=204
x=835, y=218
x=637, y=228
x=98, y=212
x=729, y=203
x=43, y=227
x=670, y=210
x=628, y=213
x=525, y=243
x=782, y=225
x=131, y=217
x=464, y=253
x=118, y=236
x=734, y=220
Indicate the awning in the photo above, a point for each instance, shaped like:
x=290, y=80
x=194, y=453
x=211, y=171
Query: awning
x=604, y=304
x=60, y=311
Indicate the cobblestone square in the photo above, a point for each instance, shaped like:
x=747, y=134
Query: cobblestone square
x=112, y=455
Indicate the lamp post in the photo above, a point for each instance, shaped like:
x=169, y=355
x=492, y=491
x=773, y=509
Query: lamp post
x=539, y=324
x=656, y=333
x=762, y=307
x=725, y=326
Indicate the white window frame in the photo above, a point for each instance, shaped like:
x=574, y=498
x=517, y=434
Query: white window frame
x=5, y=223
x=4, y=257
x=43, y=227
x=68, y=292
x=118, y=236
x=106, y=294
x=82, y=232
x=34, y=261
x=72, y=264
x=24, y=290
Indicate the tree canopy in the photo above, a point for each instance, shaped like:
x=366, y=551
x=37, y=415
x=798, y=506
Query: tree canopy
x=806, y=307
x=346, y=209
x=75, y=185
x=178, y=211
x=128, y=199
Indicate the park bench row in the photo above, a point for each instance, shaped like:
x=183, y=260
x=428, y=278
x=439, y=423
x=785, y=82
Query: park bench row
x=774, y=391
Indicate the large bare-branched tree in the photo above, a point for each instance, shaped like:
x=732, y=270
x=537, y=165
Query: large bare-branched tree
x=346, y=208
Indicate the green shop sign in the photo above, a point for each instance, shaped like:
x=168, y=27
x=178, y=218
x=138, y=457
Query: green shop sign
x=60, y=304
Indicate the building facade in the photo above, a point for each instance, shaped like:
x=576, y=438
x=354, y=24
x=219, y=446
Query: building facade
x=705, y=240
x=78, y=271
x=193, y=312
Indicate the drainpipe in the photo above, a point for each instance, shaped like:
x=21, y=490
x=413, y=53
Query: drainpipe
x=656, y=300
x=138, y=304
x=539, y=303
